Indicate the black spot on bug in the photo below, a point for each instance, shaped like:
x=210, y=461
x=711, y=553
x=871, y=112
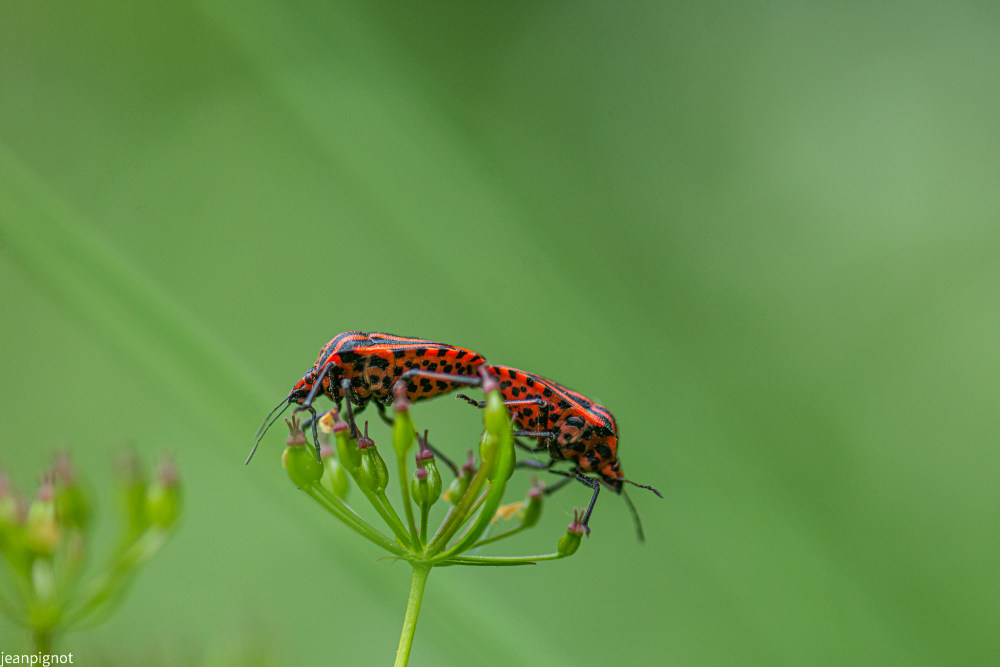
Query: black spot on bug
x=399, y=354
x=530, y=381
x=420, y=351
x=603, y=450
x=409, y=363
x=575, y=447
x=442, y=385
x=564, y=404
x=432, y=366
x=447, y=368
x=547, y=393
x=603, y=432
x=378, y=362
x=574, y=421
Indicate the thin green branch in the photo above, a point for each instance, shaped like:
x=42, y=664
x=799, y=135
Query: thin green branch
x=417, y=584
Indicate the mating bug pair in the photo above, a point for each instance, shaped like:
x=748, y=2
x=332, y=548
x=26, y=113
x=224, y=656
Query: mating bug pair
x=364, y=367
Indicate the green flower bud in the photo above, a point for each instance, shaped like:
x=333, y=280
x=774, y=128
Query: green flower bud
x=43, y=531
x=498, y=437
x=495, y=415
x=532, y=507
x=163, y=502
x=426, y=483
x=132, y=482
x=347, y=446
x=403, y=430
x=372, y=472
x=72, y=509
x=300, y=461
x=488, y=452
x=335, y=478
x=460, y=484
x=457, y=489
x=570, y=542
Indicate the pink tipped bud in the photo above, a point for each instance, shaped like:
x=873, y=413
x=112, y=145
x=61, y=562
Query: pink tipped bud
x=296, y=437
x=401, y=402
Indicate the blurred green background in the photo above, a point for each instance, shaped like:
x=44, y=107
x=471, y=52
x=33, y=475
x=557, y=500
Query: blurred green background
x=766, y=235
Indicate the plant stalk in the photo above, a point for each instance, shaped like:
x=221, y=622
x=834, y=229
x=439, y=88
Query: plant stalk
x=420, y=572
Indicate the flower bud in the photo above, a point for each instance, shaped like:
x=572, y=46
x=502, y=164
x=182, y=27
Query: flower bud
x=372, y=472
x=300, y=461
x=456, y=490
x=426, y=483
x=402, y=429
x=335, y=478
x=460, y=484
x=43, y=531
x=495, y=415
x=72, y=510
x=163, y=502
x=532, y=506
x=132, y=481
x=488, y=452
x=347, y=446
x=570, y=542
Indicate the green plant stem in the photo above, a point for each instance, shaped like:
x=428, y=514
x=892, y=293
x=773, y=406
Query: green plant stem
x=404, y=484
x=498, y=560
x=43, y=640
x=425, y=511
x=335, y=506
x=419, y=580
x=384, y=509
x=459, y=514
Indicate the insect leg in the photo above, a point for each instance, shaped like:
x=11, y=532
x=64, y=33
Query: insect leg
x=437, y=375
x=586, y=481
x=518, y=401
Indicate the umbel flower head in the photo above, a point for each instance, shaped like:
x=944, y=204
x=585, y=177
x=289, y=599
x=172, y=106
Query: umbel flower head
x=475, y=495
x=45, y=541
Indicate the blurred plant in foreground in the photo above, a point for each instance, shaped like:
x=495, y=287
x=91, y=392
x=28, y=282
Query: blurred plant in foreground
x=475, y=495
x=44, y=544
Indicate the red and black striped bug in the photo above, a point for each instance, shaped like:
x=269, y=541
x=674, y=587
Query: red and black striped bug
x=569, y=426
x=363, y=367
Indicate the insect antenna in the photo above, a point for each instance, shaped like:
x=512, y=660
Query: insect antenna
x=639, y=533
x=643, y=486
x=266, y=424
